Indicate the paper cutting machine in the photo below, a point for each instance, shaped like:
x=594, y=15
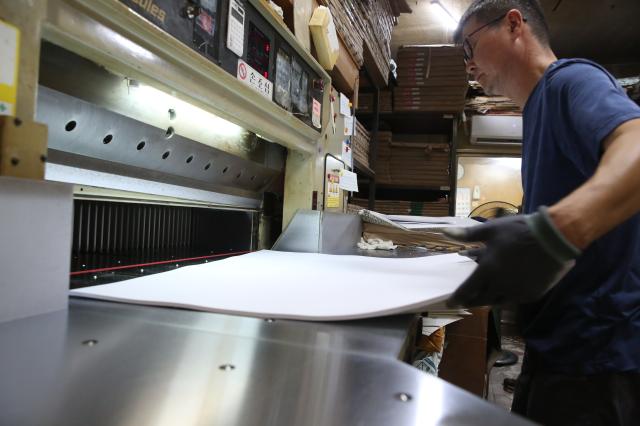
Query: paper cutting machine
x=136, y=143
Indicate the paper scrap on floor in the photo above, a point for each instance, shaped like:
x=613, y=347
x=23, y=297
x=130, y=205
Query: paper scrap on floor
x=376, y=244
x=306, y=286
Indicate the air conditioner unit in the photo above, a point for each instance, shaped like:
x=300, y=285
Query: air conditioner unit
x=496, y=130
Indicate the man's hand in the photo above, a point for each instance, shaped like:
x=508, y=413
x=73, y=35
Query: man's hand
x=523, y=258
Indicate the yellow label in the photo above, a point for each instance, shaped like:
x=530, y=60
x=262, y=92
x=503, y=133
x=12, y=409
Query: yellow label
x=333, y=191
x=9, y=55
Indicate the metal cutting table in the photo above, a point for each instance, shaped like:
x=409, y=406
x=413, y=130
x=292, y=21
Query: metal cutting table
x=104, y=363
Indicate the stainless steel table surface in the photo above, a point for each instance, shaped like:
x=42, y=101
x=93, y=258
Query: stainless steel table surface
x=102, y=363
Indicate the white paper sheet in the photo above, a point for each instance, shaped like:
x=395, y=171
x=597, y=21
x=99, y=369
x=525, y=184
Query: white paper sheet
x=345, y=109
x=348, y=126
x=348, y=181
x=307, y=286
x=347, y=153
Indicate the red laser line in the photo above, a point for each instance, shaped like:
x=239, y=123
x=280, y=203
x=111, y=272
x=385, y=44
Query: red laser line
x=162, y=262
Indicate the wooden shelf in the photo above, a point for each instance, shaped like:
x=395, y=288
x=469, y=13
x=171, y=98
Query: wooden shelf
x=392, y=192
x=411, y=187
x=411, y=122
x=364, y=170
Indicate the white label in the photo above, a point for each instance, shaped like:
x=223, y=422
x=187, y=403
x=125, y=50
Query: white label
x=348, y=126
x=348, y=181
x=9, y=36
x=345, y=108
x=463, y=202
x=347, y=153
x=254, y=79
x=235, y=30
x=8, y=54
x=315, y=114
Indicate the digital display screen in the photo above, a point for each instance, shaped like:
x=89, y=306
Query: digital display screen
x=259, y=50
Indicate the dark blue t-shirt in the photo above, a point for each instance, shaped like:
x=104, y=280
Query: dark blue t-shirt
x=590, y=322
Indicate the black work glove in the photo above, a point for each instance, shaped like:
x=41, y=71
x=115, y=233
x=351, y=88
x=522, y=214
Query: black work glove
x=523, y=258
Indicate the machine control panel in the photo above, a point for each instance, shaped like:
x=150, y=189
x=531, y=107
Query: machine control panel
x=235, y=36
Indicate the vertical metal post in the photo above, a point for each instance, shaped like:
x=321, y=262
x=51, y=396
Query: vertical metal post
x=453, y=167
x=373, y=147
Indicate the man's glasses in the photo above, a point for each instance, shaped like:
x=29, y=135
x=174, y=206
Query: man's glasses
x=466, y=44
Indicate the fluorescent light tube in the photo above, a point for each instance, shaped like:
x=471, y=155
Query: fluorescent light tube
x=444, y=15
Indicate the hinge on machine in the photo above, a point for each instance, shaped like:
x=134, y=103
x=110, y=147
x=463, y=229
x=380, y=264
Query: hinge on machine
x=23, y=148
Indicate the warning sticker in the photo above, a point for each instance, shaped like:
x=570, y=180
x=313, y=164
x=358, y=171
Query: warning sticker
x=333, y=191
x=254, y=79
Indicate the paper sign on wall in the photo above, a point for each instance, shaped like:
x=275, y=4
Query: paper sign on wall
x=348, y=181
x=348, y=126
x=345, y=108
x=9, y=42
x=315, y=114
x=347, y=153
x=333, y=191
x=254, y=79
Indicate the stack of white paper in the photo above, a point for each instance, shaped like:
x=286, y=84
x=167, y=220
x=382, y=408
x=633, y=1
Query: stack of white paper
x=306, y=286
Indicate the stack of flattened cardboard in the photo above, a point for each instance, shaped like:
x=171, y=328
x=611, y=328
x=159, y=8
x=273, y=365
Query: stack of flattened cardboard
x=348, y=26
x=414, y=161
x=353, y=208
x=632, y=87
x=366, y=26
x=386, y=101
x=360, y=144
x=380, y=21
x=427, y=232
x=430, y=79
x=365, y=102
x=383, y=172
x=498, y=105
x=438, y=208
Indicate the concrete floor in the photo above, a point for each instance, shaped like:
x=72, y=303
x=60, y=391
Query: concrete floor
x=496, y=393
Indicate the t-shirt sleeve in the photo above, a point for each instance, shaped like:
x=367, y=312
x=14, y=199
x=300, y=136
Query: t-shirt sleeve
x=594, y=105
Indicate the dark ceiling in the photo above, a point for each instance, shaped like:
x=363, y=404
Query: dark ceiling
x=606, y=31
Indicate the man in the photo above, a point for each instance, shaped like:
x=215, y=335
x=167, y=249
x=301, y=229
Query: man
x=581, y=158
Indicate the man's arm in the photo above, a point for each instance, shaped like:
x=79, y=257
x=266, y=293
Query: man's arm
x=539, y=248
x=610, y=197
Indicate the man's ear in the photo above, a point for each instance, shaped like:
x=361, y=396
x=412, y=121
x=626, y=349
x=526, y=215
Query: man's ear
x=515, y=20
